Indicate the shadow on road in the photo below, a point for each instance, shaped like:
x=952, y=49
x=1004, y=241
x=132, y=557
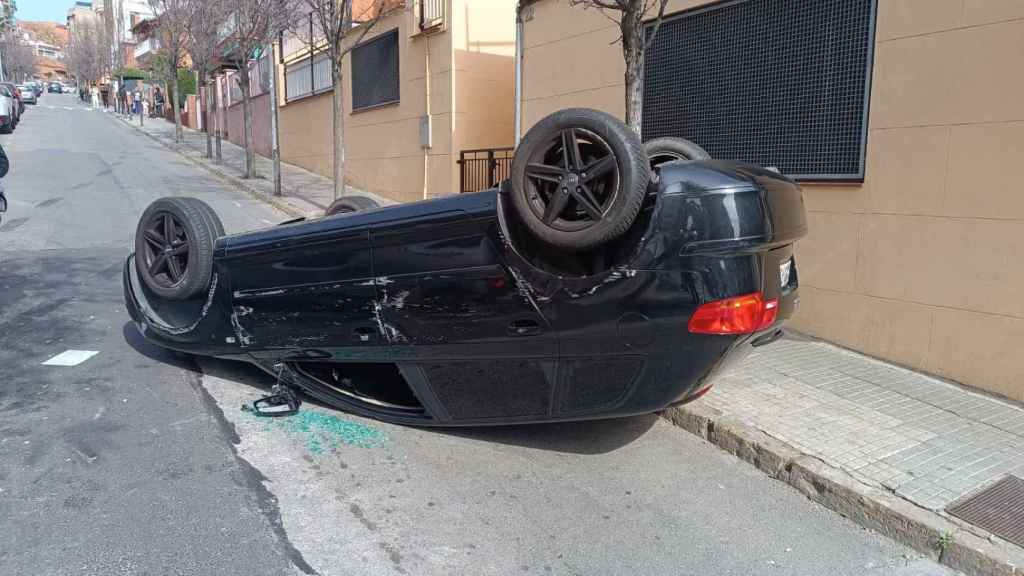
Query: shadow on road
x=152, y=351
x=587, y=437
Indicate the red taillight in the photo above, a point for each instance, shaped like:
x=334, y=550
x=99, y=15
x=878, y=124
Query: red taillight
x=739, y=315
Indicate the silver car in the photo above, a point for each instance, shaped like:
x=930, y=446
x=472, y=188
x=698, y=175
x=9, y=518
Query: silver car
x=28, y=95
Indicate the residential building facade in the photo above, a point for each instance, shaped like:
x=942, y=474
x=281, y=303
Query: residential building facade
x=432, y=79
x=903, y=119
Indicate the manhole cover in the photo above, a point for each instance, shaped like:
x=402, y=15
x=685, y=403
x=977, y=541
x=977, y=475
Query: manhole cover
x=998, y=509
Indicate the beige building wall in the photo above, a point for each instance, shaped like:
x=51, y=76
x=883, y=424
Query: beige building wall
x=922, y=264
x=465, y=73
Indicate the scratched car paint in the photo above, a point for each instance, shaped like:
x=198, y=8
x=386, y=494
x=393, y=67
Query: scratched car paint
x=479, y=325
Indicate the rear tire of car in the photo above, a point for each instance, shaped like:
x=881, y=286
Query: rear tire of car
x=350, y=204
x=579, y=178
x=174, y=244
x=668, y=149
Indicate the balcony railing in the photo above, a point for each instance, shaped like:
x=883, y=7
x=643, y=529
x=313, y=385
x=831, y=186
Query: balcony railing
x=146, y=46
x=431, y=14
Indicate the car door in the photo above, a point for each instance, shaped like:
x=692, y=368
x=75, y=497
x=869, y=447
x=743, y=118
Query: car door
x=309, y=288
x=454, y=311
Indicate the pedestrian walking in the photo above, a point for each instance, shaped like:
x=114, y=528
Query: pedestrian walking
x=94, y=94
x=5, y=165
x=158, y=97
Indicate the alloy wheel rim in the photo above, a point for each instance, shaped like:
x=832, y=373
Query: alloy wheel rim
x=573, y=182
x=167, y=249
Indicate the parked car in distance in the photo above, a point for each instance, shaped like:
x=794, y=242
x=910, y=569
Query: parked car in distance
x=8, y=110
x=69, y=88
x=18, y=97
x=28, y=95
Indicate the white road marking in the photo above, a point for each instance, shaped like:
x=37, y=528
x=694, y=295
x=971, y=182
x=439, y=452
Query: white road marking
x=265, y=221
x=70, y=358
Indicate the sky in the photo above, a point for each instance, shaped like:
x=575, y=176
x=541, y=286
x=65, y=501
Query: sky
x=55, y=10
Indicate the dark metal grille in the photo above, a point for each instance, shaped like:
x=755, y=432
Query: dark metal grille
x=998, y=509
x=375, y=71
x=781, y=83
x=483, y=169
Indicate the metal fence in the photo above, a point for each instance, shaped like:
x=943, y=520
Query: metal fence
x=483, y=169
x=301, y=80
x=431, y=13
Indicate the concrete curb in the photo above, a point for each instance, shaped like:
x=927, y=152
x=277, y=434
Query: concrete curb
x=284, y=203
x=869, y=506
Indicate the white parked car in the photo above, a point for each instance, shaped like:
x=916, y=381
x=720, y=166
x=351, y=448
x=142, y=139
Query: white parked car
x=7, y=110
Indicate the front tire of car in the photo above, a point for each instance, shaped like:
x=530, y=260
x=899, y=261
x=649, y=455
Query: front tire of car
x=668, y=149
x=174, y=244
x=579, y=178
x=350, y=204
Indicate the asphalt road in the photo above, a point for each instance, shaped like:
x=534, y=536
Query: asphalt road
x=141, y=462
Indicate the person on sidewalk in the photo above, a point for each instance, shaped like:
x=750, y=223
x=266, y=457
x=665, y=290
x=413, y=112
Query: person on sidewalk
x=94, y=94
x=5, y=165
x=158, y=97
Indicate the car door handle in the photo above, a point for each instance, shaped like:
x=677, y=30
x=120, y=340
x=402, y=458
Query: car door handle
x=524, y=327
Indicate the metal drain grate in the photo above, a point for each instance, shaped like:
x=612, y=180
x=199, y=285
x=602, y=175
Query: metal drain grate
x=998, y=509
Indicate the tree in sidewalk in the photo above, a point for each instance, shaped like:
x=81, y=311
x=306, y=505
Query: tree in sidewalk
x=172, y=26
x=252, y=26
x=338, y=25
x=89, y=57
x=18, y=59
x=629, y=16
x=206, y=19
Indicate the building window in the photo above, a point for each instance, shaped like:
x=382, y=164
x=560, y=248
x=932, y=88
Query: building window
x=776, y=83
x=302, y=80
x=375, y=71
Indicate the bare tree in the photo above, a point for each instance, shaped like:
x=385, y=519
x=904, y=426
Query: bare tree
x=19, y=61
x=340, y=25
x=206, y=18
x=89, y=54
x=172, y=25
x=629, y=15
x=253, y=25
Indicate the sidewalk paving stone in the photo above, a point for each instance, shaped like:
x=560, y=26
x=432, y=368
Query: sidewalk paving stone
x=891, y=431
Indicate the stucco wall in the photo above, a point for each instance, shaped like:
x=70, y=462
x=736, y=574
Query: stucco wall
x=260, y=124
x=470, y=59
x=382, y=145
x=922, y=263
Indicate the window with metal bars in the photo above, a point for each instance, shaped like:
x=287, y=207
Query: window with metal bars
x=781, y=83
x=301, y=81
x=375, y=79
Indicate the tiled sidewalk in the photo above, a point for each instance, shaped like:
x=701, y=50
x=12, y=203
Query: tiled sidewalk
x=305, y=193
x=926, y=440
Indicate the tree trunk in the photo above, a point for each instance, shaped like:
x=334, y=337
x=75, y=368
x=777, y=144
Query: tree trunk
x=216, y=118
x=250, y=150
x=177, y=108
x=209, y=118
x=633, y=53
x=339, y=129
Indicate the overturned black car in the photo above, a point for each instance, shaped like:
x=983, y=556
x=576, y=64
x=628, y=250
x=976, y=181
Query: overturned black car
x=600, y=280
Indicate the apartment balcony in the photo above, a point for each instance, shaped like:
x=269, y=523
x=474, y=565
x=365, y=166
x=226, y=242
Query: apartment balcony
x=145, y=48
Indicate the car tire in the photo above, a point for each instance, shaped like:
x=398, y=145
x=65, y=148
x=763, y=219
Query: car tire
x=350, y=204
x=668, y=149
x=174, y=244
x=579, y=178
x=211, y=216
